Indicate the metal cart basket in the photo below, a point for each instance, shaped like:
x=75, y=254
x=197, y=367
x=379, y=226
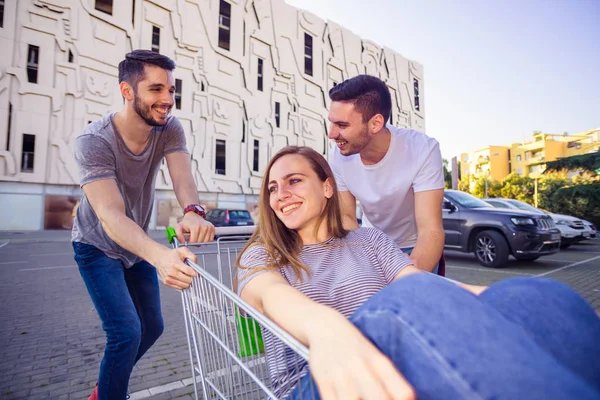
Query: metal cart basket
x=225, y=334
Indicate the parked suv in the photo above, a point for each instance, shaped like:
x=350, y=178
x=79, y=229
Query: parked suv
x=572, y=230
x=227, y=217
x=492, y=234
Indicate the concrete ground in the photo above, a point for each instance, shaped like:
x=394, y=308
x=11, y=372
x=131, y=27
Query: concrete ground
x=52, y=340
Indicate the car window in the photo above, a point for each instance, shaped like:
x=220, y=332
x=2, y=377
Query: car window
x=239, y=214
x=524, y=206
x=498, y=204
x=467, y=200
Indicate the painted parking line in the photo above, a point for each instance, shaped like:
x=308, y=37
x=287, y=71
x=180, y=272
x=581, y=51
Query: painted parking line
x=145, y=393
x=556, y=260
x=12, y=262
x=4, y=244
x=45, y=268
x=568, y=266
x=489, y=270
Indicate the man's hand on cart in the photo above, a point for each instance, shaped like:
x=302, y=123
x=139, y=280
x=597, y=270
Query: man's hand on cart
x=346, y=365
x=198, y=229
x=172, y=269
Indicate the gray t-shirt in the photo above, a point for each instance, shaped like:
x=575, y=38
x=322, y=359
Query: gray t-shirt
x=344, y=274
x=101, y=153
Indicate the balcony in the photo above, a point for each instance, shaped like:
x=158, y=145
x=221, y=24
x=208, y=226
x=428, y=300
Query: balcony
x=482, y=160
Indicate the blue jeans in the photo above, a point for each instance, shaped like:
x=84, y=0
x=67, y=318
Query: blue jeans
x=128, y=303
x=522, y=338
x=409, y=250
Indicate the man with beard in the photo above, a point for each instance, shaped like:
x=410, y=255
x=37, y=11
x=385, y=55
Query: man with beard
x=119, y=157
x=396, y=174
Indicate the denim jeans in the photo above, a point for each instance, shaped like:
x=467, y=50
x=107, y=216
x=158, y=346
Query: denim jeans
x=521, y=338
x=128, y=303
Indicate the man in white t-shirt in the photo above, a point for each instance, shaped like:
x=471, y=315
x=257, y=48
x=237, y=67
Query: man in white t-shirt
x=396, y=174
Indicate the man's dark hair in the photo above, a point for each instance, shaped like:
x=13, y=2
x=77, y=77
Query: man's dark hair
x=369, y=95
x=131, y=69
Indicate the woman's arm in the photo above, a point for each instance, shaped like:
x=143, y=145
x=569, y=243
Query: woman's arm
x=411, y=269
x=343, y=362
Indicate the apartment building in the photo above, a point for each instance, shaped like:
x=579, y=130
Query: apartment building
x=252, y=76
x=527, y=158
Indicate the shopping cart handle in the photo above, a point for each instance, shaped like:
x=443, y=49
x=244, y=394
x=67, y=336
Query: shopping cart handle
x=171, y=234
x=221, y=230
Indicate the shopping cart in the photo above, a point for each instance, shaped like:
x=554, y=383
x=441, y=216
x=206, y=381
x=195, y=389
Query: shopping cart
x=227, y=337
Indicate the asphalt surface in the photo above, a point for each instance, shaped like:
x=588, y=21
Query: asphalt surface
x=52, y=341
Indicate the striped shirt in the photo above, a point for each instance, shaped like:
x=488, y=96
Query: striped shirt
x=344, y=274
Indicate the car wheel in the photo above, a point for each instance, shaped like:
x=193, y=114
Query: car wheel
x=527, y=258
x=491, y=249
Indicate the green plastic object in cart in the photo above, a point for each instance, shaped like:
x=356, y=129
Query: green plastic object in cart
x=249, y=335
x=249, y=332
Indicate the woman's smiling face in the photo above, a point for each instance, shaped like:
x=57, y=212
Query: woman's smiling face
x=297, y=195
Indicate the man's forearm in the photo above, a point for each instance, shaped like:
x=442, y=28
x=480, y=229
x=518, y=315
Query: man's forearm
x=428, y=249
x=127, y=234
x=186, y=191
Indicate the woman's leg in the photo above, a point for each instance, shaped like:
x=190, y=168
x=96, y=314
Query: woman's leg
x=142, y=282
x=450, y=345
x=553, y=315
x=105, y=282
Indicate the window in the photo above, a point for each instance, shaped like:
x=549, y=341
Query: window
x=518, y=157
x=1, y=13
x=277, y=114
x=308, y=53
x=106, y=6
x=178, y=94
x=417, y=104
x=70, y=56
x=202, y=86
x=255, y=159
x=33, y=55
x=259, y=84
x=224, y=24
x=155, y=39
x=527, y=155
x=391, y=118
x=220, y=157
x=27, y=153
x=133, y=12
x=8, y=128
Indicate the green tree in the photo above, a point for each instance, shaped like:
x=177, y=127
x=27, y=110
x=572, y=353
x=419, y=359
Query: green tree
x=447, y=175
x=464, y=183
x=493, y=187
x=517, y=187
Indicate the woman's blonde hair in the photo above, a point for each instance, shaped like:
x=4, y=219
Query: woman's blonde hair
x=281, y=244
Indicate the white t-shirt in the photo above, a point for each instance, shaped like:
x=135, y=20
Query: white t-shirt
x=386, y=190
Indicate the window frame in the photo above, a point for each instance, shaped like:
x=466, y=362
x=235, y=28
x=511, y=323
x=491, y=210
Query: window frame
x=220, y=143
x=224, y=37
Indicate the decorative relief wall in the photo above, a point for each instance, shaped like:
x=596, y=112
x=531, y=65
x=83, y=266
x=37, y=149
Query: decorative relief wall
x=80, y=46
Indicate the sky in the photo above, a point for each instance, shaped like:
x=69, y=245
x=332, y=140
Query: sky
x=494, y=71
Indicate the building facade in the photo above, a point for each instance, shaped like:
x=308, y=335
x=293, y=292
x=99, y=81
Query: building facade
x=252, y=76
x=527, y=158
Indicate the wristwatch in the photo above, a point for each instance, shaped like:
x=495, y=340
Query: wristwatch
x=195, y=208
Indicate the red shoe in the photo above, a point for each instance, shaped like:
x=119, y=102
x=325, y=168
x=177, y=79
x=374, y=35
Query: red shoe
x=94, y=395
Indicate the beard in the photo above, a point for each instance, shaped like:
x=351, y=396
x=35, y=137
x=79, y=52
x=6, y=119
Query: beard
x=357, y=144
x=145, y=112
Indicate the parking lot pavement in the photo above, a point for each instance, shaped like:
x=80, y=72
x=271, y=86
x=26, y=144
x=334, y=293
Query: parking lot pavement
x=578, y=266
x=52, y=340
